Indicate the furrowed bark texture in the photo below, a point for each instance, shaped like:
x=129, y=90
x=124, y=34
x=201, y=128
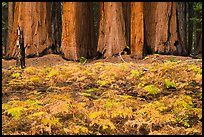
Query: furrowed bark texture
x=56, y=26
x=137, y=30
x=127, y=18
x=10, y=23
x=181, y=25
x=160, y=26
x=34, y=20
x=112, y=29
x=77, y=31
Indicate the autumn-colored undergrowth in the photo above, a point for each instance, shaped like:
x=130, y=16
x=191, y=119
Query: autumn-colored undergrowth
x=103, y=98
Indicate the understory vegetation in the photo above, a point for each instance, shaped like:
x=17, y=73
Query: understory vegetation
x=103, y=98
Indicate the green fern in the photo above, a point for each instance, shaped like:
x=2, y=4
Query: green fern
x=136, y=73
x=16, y=75
x=92, y=89
x=170, y=84
x=37, y=114
x=50, y=121
x=52, y=73
x=173, y=59
x=16, y=111
x=82, y=60
x=151, y=89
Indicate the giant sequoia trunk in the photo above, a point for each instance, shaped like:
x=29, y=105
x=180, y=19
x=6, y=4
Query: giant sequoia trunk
x=77, y=31
x=10, y=22
x=160, y=26
x=34, y=20
x=137, y=30
x=112, y=29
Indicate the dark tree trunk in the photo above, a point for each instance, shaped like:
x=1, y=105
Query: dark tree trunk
x=200, y=44
x=56, y=26
x=187, y=29
x=181, y=27
x=127, y=18
x=20, y=61
x=193, y=30
x=150, y=30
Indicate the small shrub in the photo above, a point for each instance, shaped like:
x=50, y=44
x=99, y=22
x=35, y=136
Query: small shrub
x=35, y=80
x=47, y=69
x=136, y=73
x=50, y=121
x=16, y=111
x=182, y=108
x=156, y=55
x=77, y=130
x=104, y=82
x=173, y=59
x=194, y=68
x=52, y=73
x=82, y=60
x=86, y=94
x=16, y=75
x=92, y=89
x=151, y=89
x=30, y=70
x=170, y=84
x=146, y=58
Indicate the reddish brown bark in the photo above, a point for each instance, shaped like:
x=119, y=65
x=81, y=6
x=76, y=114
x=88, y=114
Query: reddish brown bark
x=173, y=27
x=10, y=22
x=160, y=26
x=137, y=30
x=112, y=29
x=77, y=31
x=34, y=20
x=162, y=13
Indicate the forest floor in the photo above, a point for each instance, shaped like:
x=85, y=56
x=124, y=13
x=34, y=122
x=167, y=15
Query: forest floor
x=161, y=94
